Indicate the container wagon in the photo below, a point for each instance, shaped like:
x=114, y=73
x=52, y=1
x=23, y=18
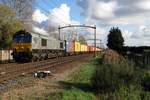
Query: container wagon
x=5, y=56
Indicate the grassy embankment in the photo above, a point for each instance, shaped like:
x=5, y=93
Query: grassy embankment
x=116, y=78
x=79, y=87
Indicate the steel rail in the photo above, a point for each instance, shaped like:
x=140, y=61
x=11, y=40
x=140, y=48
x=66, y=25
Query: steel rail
x=36, y=67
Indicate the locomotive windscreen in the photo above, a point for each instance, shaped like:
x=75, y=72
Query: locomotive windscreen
x=22, y=37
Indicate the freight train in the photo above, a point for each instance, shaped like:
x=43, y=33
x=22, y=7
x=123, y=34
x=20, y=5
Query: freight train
x=34, y=46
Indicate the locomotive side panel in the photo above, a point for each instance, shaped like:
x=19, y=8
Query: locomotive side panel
x=46, y=47
x=36, y=41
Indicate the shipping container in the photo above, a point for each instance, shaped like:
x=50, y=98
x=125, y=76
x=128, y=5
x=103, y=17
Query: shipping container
x=70, y=48
x=77, y=46
x=96, y=49
x=99, y=49
x=82, y=48
x=92, y=48
x=86, y=48
x=5, y=55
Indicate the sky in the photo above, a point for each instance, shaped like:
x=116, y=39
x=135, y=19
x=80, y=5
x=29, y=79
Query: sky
x=131, y=16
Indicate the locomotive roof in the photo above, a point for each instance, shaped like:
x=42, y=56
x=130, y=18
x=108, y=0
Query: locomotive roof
x=21, y=32
x=36, y=34
x=44, y=36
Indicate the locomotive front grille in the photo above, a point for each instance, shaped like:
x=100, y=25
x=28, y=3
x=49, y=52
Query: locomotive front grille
x=22, y=47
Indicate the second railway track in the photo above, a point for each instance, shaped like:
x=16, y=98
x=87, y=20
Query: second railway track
x=27, y=68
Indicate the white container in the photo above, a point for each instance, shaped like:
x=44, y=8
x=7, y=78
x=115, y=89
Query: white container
x=5, y=55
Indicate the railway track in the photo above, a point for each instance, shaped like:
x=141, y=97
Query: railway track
x=13, y=66
x=26, y=68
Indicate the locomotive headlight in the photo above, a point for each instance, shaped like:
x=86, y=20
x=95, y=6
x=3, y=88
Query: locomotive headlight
x=22, y=47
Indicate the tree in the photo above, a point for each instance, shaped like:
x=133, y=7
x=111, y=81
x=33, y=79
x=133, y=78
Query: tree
x=23, y=10
x=115, y=39
x=9, y=24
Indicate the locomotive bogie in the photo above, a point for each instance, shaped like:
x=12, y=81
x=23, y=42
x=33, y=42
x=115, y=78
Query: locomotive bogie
x=42, y=54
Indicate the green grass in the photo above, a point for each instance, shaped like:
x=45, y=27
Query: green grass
x=85, y=73
x=72, y=94
x=78, y=88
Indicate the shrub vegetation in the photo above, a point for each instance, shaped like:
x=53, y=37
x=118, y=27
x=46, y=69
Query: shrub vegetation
x=116, y=78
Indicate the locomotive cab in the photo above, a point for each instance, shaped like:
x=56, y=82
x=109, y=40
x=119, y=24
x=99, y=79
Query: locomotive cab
x=22, y=46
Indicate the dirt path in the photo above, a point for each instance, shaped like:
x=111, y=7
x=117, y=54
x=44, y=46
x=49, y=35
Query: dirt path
x=38, y=88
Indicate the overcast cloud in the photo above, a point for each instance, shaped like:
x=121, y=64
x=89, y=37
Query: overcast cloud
x=131, y=16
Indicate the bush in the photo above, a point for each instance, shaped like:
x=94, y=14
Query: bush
x=124, y=93
x=103, y=79
x=145, y=95
x=146, y=81
x=113, y=73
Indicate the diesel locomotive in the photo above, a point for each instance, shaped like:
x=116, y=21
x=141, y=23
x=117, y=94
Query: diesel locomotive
x=34, y=46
